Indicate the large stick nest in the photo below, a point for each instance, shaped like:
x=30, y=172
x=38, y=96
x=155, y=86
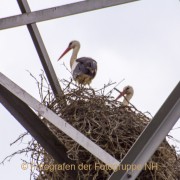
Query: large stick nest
x=110, y=125
x=106, y=122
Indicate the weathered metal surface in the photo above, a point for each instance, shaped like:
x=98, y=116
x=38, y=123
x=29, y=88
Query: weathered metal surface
x=33, y=124
x=41, y=50
x=57, y=121
x=57, y=12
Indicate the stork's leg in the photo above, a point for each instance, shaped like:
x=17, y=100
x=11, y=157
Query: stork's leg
x=91, y=89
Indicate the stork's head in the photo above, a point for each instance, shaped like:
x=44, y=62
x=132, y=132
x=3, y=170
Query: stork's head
x=126, y=90
x=72, y=45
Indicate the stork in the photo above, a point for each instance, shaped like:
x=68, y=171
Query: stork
x=83, y=69
x=129, y=91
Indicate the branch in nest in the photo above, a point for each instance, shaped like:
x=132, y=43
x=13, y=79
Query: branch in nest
x=20, y=138
x=66, y=68
x=105, y=86
x=114, y=87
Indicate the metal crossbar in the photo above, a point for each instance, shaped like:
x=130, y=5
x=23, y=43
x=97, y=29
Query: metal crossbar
x=57, y=12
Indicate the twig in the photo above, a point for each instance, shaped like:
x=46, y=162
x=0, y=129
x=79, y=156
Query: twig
x=115, y=87
x=105, y=86
x=149, y=113
x=66, y=68
x=175, y=128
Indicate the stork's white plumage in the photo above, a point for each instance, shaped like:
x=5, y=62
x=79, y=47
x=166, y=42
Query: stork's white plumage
x=83, y=69
x=128, y=91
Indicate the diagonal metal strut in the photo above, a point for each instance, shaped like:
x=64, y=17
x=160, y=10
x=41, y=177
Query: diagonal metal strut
x=33, y=124
x=41, y=50
x=60, y=123
x=150, y=138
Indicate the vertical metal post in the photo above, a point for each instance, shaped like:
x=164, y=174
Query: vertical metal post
x=41, y=50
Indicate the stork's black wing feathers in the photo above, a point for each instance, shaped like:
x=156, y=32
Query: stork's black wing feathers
x=85, y=66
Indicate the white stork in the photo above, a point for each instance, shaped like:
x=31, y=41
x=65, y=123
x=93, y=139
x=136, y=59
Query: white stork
x=129, y=91
x=83, y=69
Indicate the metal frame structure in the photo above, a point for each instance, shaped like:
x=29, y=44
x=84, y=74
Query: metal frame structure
x=18, y=102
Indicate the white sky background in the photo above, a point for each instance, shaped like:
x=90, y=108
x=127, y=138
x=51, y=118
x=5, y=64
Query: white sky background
x=137, y=41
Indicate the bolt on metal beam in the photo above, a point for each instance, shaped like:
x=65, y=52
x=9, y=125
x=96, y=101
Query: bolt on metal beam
x=150, y=138
x=34, y=125
x=41, y=50
x=57, y=12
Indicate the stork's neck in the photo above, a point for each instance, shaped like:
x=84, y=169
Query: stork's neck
x=128, y=97
x=74, y=55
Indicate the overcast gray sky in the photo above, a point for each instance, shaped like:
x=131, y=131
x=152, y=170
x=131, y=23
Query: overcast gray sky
x=137, y=41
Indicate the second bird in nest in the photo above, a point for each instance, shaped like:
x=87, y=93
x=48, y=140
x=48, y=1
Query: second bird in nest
x=128, y=91
x=83, y=69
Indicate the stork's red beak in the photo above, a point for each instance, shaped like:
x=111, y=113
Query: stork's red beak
x=64, y=53
x=123, y=93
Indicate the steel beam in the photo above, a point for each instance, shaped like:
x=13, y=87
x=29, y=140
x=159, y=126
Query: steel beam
x=33, y=124
x=151, y=137
x=41, y=50
x=57, y=12
x=57, y=121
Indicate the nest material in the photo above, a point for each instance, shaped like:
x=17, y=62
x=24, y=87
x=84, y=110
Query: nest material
x=110, y=125
x=106, y=122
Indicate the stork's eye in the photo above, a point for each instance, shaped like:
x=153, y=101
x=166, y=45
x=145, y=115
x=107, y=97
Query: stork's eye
x=70, y=43
x=127, y=88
